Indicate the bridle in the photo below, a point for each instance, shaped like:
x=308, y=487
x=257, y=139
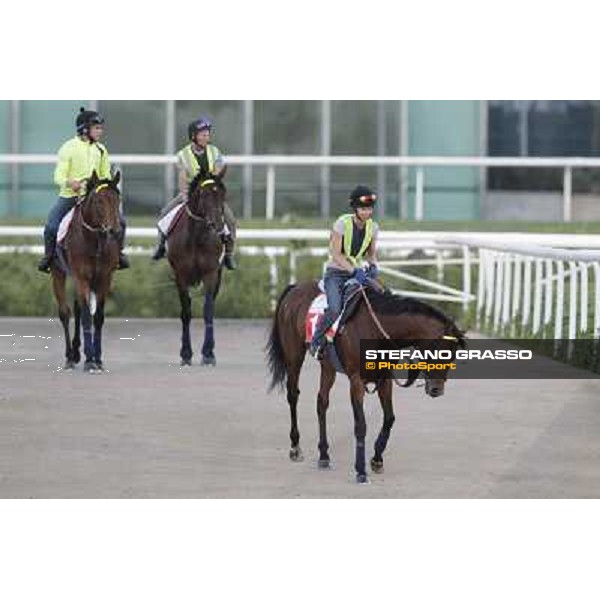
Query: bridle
x=103, y=229
x=208, y=223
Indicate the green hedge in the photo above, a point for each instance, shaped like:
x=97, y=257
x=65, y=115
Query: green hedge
x=147, y=288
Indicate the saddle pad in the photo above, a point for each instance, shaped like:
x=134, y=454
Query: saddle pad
x=63, y=228
x=315, y=311
x=168, y=221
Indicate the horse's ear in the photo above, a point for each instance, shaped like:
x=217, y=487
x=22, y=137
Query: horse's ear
x=93, y=179
x=117, y=178
x=223, y=172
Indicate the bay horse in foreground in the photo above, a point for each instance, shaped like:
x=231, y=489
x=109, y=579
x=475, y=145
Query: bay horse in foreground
x=91, y=251
x=194, y=250
x=407, y=321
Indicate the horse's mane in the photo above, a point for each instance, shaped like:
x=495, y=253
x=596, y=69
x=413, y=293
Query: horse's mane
x=388, y=303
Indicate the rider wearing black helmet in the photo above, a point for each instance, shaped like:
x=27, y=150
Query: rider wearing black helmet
x=78, y=158
x=200, y=155
x=353, y=239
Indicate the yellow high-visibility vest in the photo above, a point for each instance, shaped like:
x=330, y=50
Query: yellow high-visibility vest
x=190, y=163
x=348, y=232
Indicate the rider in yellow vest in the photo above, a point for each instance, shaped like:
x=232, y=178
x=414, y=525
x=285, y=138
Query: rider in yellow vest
x=78, y=158
x=353, y=240
x=199, y=155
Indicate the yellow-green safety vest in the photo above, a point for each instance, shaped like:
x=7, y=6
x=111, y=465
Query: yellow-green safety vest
x=190, y=162
x=347, y=245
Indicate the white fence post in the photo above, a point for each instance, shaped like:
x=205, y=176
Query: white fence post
x=419, y=193
x=270, y=200
x=567, y=194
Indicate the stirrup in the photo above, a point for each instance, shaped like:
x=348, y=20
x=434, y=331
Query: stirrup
x=317, y=350
x=44, y=264
x=229, y=262
x=160, y=252
x=123, y=261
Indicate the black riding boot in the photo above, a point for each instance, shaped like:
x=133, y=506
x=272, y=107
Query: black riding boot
x=228, y=260
x=49, y=248
x=123, y=260
x=161, y=249
x=317, y=345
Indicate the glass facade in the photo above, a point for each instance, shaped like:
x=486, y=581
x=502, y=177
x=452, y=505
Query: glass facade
x=299, y=127
x=543, y=128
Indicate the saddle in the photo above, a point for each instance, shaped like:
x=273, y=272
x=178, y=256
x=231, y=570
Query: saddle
x=352, y=297
x=166, y=223
x=63, y=228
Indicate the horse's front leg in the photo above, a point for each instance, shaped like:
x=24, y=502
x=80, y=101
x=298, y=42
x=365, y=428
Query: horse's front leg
x=88, y=339
x=186, y=316
x=327, y=381
x=357, y=394
x=208, y=347
x=384, y=390
x=98, y=323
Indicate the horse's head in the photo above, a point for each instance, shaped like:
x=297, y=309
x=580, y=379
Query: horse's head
x=100, y=208
x=435, y=379
x=206, y=199
x=423, y=326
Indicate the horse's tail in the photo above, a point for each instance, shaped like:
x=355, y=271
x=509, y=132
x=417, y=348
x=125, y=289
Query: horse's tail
x=274, y=349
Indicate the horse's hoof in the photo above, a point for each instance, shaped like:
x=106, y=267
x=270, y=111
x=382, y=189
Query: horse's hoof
x=376, y=466
x=69, y=365
x=186, y=362
x=362, y=479
x=324, y=464
x=90, y=367
x=296, y=454
x=99, y=365
x=209, y=361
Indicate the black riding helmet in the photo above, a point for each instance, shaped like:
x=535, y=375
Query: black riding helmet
x=87, y=118
x=362, y=197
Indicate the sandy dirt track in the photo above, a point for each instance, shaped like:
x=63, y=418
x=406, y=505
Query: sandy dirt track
x=148, y=429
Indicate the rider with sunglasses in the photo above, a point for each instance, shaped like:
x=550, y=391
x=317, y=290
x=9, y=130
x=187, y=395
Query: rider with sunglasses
x=78, y=158
x=353, y=239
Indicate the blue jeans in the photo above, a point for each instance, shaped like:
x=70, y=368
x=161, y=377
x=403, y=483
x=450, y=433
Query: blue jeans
x=59, y=210
x=334, y=289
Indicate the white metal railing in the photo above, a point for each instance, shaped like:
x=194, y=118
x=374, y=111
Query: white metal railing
x=522, y=286
x=420, y=162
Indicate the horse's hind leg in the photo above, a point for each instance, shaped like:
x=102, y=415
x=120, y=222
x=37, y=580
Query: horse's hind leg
x=293, y=376
x=186, y=316
x=64, y=312
x=327, y=380
x=384, y=390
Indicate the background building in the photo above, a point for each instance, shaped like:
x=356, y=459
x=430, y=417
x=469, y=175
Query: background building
x=370, y=128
